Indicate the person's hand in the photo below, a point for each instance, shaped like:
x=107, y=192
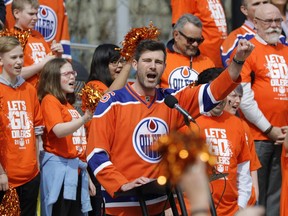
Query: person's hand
x=280, y=139
x=276, y=135
x=194, y=181
x=251, y=211
x=243, y=49
x=4, y=182
x=136, y=183
x=88, y=115
x=92, y=188
x=57, y=48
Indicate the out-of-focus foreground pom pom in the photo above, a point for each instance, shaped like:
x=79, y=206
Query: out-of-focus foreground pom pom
x=179, y=150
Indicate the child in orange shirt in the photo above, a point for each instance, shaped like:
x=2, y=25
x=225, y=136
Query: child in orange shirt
x=64, y=143
x=36, y=50
x=20, y=122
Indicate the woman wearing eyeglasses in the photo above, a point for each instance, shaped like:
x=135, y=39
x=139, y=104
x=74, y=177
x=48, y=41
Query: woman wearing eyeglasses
x=108, y=72
x=107, y=65
x=64, y=178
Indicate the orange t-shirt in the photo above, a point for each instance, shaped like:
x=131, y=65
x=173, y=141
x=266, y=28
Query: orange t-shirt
x=20, y=115
x=52, y=23
x=225, y=136
x=269, y=63
x=70, y=146
x=212, y=16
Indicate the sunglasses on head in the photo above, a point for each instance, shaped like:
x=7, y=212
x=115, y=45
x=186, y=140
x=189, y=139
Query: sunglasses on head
x=191, y=40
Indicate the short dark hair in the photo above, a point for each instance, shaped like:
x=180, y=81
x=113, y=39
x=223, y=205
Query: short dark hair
x=151, y=45
x=209, y=75
x=103, y=55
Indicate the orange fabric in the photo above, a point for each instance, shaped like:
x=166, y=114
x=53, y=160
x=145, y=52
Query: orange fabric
x=231, y=42
x=116, y=129
x=70, y=146
x=270, y=66
x=254, y=160
x=20, y=114
x=52, y=16
x=178, y=74
x=35, y=51
x=284, y=186
x=226, y=138
x=212, y=16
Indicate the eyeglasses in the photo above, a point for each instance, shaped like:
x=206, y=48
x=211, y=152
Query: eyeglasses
x=116, y=63
x=270, y=21
x=69, y=73
x=191, y=40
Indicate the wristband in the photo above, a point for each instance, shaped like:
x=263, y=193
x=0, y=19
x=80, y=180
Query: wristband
x=198, y=211
x=268, y=130
x=238, y=62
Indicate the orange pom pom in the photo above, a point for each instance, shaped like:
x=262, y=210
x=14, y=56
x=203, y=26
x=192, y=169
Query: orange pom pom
x=134, y=36
x=90, y=97
x=10, y=205
x=180, y=150
x=21, y=35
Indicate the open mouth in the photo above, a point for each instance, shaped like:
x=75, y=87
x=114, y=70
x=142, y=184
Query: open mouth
x=151, y=76
x=71, y=84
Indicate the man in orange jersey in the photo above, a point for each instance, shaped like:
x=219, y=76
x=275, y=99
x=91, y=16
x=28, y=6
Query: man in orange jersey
x=246, y=31
x=212, y=15
x=119, y=146
x=184, y=59
x=52, y=22
x=265, y=101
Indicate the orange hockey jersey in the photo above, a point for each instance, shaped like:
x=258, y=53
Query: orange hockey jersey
x=124, y=127
x=270, y=87
x=70, y=146
x=52, y=22
x=225, y=136
x=20, y=118
x=212, y=16
x=246, y=31
x=181, y=70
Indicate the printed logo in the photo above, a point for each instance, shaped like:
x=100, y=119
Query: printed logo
x=20, y=123
x=218, y=15
x=79, y=136
x=181, y=77
x=47, y=22
x=38, y=52
x=278, y=74
x=144, y=136
x=220, y=147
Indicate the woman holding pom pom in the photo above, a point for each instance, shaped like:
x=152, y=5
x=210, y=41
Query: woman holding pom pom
x=64, y=178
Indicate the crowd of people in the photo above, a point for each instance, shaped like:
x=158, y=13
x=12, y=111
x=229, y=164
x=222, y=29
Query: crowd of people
x=234, y=85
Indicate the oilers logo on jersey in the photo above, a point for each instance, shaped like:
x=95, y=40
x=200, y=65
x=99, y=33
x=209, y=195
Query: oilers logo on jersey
x=181, y=77
x=47, y=22
x=145, y=134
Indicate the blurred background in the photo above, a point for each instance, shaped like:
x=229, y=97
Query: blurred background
x=92, y=22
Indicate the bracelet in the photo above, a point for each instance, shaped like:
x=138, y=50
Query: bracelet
x=197, y=211
x=238, y=61
x=268, y=130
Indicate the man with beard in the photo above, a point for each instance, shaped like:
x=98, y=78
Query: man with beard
x=265, y=101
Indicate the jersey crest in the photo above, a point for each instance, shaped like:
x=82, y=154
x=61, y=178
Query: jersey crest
x=47, y=22
x=181, y=77
x=145, y=134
